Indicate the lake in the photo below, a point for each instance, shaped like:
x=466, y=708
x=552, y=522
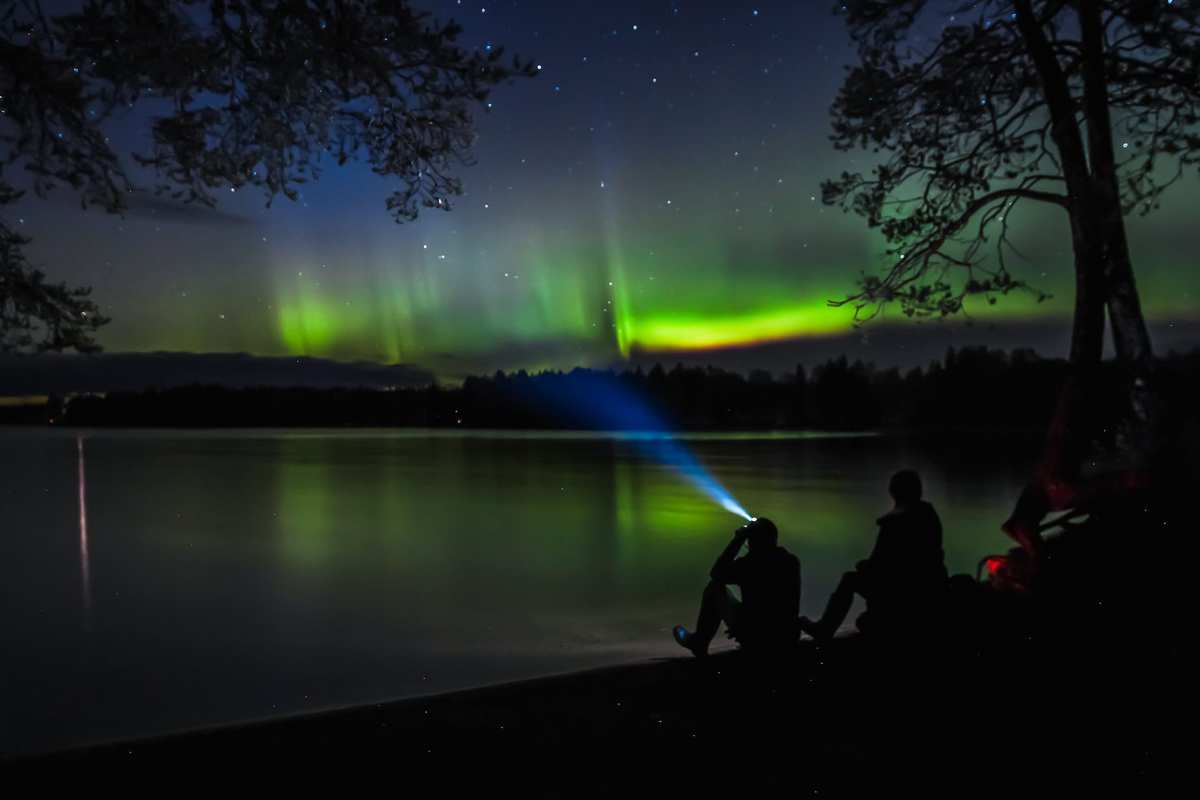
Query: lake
x=161, y=580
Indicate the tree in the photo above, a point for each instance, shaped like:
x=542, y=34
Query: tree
x=1016, y=102
x=1012, y=103
x=241, y=94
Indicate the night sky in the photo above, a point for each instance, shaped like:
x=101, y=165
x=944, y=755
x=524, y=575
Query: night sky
x=652, y=193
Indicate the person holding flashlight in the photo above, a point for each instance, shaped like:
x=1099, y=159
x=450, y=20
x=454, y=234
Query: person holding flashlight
x=766, y=617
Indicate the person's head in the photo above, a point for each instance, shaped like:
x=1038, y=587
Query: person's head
x=761, y=534
x=905, y=487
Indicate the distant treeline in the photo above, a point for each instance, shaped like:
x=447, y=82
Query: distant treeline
x=972, y=388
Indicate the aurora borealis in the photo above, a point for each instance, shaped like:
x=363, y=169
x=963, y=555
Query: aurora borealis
x=654, y=189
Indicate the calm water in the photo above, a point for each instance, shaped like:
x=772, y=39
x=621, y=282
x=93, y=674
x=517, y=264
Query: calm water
x=159, y=580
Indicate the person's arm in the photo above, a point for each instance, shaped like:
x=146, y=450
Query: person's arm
x=722, y=570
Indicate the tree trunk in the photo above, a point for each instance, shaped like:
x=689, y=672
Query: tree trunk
x=1071, y=431
x=1068, y=436
x=1087, y=330
x=1131, y=339
x=1103, y=273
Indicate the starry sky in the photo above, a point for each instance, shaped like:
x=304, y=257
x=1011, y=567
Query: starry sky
x=653, y=193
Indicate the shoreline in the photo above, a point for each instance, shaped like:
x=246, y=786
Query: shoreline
x=549, y=434
x=616, y=679
x=825, y=720
x=392, y=704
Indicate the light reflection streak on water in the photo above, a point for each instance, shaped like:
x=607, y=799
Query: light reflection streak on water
x=84, y=554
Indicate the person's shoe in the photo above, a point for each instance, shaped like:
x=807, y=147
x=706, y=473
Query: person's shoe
x=687, y=640
x=814, y=629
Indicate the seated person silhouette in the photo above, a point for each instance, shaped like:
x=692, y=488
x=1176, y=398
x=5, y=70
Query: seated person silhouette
x=905, y=573
x=766, y=618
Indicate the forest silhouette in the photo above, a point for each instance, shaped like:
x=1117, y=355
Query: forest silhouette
x=969, y=389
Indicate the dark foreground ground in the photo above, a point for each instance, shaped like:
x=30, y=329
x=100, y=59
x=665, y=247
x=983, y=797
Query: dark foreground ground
x=849, y=718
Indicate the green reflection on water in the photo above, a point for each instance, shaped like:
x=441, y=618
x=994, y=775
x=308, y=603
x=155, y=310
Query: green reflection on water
x=656, y=500
x=305, y=509
x=549, y=523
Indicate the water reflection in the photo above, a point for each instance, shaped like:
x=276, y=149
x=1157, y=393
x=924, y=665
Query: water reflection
x=84, y=554
x=651, y=497
x=255, y=573
x=304, y=509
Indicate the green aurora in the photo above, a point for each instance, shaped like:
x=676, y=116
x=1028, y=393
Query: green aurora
x=604, y=303
x=649, y=193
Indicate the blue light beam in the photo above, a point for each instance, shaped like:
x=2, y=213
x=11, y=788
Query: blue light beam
x=598, y=400
x=667, y=450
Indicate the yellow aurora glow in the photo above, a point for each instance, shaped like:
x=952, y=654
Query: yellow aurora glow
x=709, y=331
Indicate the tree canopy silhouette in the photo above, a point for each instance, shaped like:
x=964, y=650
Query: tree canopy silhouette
x=242, y=94
x=1012, y=103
